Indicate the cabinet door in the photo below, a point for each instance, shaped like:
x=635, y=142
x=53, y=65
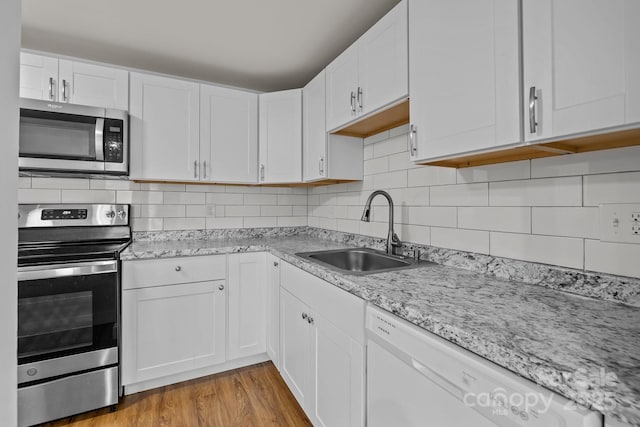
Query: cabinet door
x=247, y=309
x=384, y=61
x=338, y=376
x=281, y=137
x=164, y=118
x=273, y=309
x=94, y=85
x=314, y=138
x=228, y=135
x=342, y=88
x=172, y=329
x=38, y=77
x=464, y=75
x=295, y=346
x=582, y=61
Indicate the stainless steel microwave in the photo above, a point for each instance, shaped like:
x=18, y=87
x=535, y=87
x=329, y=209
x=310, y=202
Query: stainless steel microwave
x=63, y=137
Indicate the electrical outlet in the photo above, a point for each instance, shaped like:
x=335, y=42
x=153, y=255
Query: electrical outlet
x=620, y=223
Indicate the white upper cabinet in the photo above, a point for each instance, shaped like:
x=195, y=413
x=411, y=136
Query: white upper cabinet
x=326, y=156
x=582, y=63
x=49, y=78
x=94, y=85
x=38, y=77
x=228, y=135
x=464, y=72
x=370, y=74
x=280, y=139
x=164, y=117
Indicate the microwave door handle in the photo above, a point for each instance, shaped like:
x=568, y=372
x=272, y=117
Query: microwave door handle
x=100, y=139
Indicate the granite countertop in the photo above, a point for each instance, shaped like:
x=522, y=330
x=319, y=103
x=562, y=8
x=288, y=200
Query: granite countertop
x=585, y=349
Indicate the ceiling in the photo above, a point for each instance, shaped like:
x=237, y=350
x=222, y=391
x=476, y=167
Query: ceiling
x=264, y=45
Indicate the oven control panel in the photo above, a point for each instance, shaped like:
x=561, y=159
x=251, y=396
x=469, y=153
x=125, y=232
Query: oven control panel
x=49, y=214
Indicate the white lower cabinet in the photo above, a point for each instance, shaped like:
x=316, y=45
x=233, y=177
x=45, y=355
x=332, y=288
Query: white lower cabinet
x=247, y=310
x=172, y=329
x=322, y=363
x=191, y=316
x=272, y=274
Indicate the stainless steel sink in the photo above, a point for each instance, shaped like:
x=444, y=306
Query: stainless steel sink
x=361, y=261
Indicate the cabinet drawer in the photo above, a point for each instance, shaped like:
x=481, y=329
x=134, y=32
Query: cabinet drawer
x=168, y=271
x=344, y=310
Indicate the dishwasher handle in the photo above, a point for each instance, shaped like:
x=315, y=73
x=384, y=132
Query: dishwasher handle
x=439, y=380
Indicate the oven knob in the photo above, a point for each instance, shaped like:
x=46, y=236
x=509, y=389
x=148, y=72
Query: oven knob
x=122, y=214
x=32, y=371
x=110, y=214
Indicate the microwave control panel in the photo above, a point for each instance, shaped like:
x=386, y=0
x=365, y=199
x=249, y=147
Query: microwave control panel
x=113, y=145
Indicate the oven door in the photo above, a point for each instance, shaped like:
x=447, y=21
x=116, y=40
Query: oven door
x=56, y=136
x=67, y=318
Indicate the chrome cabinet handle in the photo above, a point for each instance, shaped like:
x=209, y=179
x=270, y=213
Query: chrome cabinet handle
x=310, y=320
x=412, y=141
x=178, y=268
x=51, y=88
x=262, y=172
x=360, y=98
x=204, y=169
x=195, y=169
x=321, y=166
x=275, y=263
x=533, y=124
x=221, y=287
x=304, y=316
x=64, y=90
x=353, y=102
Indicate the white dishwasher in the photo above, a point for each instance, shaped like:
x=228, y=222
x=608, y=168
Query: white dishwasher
x=415, y=378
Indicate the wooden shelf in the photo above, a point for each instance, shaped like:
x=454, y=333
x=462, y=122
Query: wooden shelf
x=624, y=138
x=394, y=116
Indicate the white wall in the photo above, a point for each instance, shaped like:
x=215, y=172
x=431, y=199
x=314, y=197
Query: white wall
x=157, y=207
x=9, y=68
x=543, y=210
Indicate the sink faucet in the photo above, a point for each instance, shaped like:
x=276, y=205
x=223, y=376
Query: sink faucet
x=393, y=242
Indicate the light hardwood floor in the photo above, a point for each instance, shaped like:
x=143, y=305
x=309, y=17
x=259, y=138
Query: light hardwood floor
x=251, y=396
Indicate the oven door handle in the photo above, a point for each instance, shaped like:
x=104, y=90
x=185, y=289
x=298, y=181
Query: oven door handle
x=66, y=270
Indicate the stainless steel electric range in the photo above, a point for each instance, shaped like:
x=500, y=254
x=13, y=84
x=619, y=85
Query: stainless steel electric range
x=68, y=308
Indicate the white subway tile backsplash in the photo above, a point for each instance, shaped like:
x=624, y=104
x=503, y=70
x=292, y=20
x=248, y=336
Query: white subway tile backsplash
x=388, y=180
x=224, y=199
x=276, y=211
x=432, y=215
x=430, y=176
x=368, y=151
x=258, y=222
x=568, y=222
x=614, y=258
x=260, y=199
x=595, y=162
x=537, y=192
x=153, y=186
x=376, y=165
x=146, y=224
x=61, y=183
x=393, y=145
x=161, y=211
x=242, y=211
x=184, y=223
x=566, y=252
x=460, y=239
x=348, y=226
x=499, y=172
x=460, y=195
x=214, y=223
x=509, y=219
x=416, y=196
x=414, y=234
x=382, y=136
x=184, y=198
x=292, y=221
x=24, y=182
x=28, y=195
x=612, y=188
x=113, y=184
x=87, y=196
x=291, y=199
